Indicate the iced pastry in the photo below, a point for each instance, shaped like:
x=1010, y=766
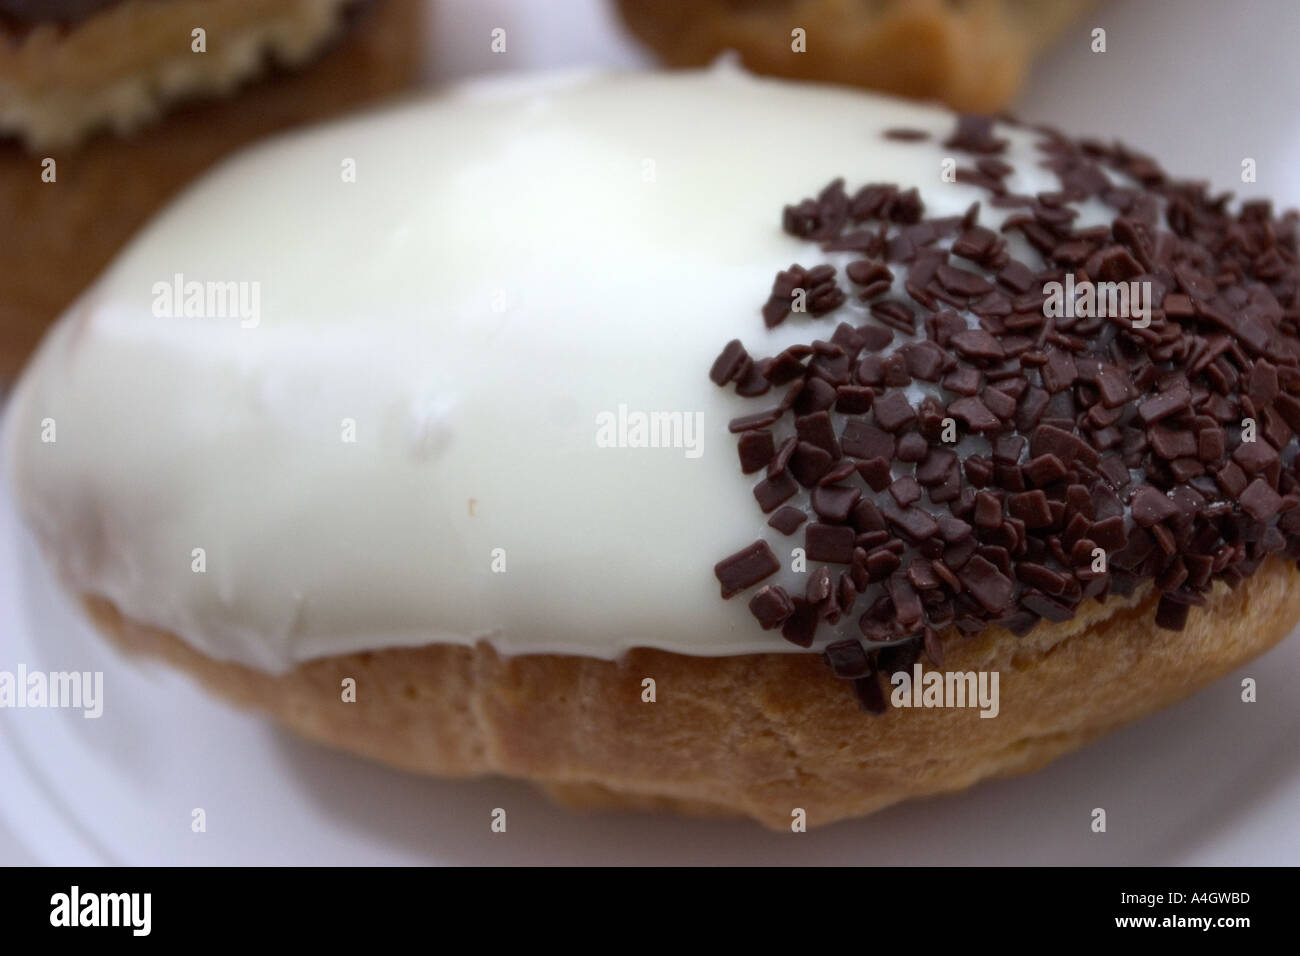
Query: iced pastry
x=691, y=441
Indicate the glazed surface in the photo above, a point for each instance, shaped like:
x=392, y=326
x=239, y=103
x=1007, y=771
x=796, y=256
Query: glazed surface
x=511, y=265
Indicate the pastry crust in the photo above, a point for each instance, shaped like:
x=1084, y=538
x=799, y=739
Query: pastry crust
x=64, y=233
x=971, y=55
x=125, y=65
x=756, y=735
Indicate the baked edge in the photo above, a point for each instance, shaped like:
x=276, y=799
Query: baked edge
x=755, y=735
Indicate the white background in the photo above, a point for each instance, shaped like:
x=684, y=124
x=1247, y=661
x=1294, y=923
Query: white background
x=1198, y=83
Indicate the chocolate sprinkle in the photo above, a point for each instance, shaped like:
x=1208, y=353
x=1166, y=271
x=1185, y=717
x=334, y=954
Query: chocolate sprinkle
x=745, y=568
x=729, y=364
x=825, y=542
x=903, y=135
x=1170, y=444
x=801, y=626
x=756, y=449
x=787, y=520
x=771, y=605
x=848, y=659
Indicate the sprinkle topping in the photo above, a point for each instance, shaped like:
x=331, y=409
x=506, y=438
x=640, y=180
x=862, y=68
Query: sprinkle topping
x=1011, y=435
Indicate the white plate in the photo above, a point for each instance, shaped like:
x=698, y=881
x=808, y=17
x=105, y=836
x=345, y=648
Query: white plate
x=1209, y=781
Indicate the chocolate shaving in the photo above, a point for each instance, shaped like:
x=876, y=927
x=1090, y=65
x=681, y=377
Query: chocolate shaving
x=772, y=606
x=1168, y=444
x=745, y=568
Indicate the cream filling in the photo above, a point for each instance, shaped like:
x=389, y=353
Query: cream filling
x=513, y=263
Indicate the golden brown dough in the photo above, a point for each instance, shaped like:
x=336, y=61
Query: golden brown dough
x=970, y=55
x=757, y=735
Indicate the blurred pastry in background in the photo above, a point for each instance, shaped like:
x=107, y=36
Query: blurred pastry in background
x=132, y=99
x=972, y=55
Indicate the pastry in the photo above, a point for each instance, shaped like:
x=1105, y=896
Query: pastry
x=586, y=432
x=971, y=55
x=111, y=92
x=70, y=68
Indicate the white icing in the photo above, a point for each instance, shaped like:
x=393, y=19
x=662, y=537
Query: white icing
x=509, y=263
